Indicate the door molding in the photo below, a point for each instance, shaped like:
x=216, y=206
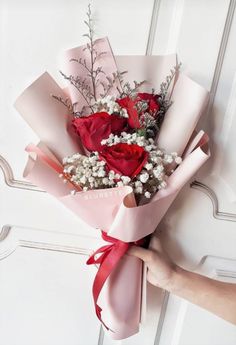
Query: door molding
x=12, y=237
x=11, y=181
x=221, y=54
x=230, y=217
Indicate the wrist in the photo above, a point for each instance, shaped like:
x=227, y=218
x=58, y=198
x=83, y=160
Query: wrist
x=176, y=280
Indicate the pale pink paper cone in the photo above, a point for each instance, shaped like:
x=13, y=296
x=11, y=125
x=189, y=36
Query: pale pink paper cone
x=123, y=220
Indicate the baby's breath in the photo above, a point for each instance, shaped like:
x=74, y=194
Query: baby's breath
x=110, y=106
x=91, y=172
x=86, y=172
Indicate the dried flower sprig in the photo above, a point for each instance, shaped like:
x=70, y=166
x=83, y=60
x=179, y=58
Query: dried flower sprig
x=83, y=88
x=88, y=90
x=164, y=98
x=128, y=90
x=66, y=102
x=89, y=93
x=111, y=82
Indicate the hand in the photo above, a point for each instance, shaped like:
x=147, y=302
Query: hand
x=161, y=270
x=216, y=296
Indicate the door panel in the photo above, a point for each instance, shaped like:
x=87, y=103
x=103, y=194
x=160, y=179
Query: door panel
x=45, y=287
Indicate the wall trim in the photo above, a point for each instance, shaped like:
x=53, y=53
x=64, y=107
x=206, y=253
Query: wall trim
x=11, y=181
x=153, y=26
x=12, y=237
x=231, y=217
x=221, y=54
x=162, y=317
x=101, y=336
x=175, y=27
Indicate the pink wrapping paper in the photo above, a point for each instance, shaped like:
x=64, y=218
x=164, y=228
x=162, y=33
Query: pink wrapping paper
x=116, y=212
x=48, y=117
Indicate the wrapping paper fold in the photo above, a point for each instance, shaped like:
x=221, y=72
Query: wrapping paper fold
x=116, y=212
x=48, y=117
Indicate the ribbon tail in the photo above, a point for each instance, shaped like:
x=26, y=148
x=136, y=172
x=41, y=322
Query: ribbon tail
x=104, y=251
x=108, y=265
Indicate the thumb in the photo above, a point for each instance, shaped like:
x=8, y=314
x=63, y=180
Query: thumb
x=139, y=252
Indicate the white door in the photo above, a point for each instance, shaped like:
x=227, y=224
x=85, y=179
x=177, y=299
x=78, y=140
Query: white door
x=45, y=286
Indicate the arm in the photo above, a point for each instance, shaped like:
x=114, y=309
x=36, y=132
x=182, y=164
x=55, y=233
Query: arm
x=215, y=296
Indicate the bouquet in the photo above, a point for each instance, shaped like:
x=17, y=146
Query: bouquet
x=116, y=152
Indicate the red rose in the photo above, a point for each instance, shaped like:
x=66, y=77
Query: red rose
x=129, y=105
x=124, y=159
x=94, y=128
x=153, y=104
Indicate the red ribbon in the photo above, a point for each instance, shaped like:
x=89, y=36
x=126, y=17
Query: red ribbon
x=108, y=260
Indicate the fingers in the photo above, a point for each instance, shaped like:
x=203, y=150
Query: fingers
x=139, y=252
x=147, y=254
